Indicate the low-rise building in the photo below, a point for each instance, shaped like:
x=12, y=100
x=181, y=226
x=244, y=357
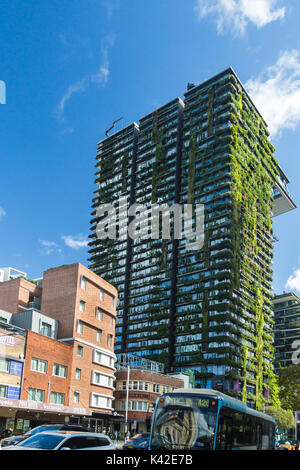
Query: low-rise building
x=69, y=370
x=12, y=353
x=139, y=382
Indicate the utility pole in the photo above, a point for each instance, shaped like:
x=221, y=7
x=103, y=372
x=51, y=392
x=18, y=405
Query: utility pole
x=127, y=393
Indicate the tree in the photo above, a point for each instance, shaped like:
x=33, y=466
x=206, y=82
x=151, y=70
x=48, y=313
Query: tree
x=289, y=387
x=284, y=418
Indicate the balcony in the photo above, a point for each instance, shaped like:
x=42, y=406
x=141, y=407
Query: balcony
x=282, y=200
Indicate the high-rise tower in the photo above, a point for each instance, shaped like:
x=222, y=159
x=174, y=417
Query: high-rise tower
x=207, y=309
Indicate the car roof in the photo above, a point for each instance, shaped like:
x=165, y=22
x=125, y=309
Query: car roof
x=75, y=433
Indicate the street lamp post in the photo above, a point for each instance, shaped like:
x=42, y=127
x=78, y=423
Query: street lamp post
x=127, y=393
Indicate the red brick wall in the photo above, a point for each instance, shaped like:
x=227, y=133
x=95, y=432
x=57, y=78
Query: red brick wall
x=62, y=294
x=42, y=347
x=17, y=292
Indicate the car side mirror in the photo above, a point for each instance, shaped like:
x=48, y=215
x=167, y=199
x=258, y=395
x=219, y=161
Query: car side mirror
x=65, y=448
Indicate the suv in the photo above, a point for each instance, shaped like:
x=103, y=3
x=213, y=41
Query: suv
x=13, y=440
x=65, y=440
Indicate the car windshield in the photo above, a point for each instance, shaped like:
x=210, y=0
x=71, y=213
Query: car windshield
x=39, y=429
x=183, y=422
x=42, y=441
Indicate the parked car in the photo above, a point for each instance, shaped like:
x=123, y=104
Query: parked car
x=13, y=440
x=286, y=445
x=65, y=440
x=139, y=441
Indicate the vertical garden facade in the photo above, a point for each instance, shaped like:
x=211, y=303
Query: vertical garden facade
x=208, y=309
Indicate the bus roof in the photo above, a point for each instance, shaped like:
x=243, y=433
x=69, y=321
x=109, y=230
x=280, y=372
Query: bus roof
x=226, y=401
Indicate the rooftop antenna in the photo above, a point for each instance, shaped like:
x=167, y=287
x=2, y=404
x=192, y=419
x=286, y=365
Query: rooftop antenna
x=113, y=125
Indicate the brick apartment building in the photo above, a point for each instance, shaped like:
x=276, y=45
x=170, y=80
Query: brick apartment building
x=69, y=368
x=18, y=294
x=145, y=382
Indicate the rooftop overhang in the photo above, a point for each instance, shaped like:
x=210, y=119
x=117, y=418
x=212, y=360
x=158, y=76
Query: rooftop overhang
x=282, y=200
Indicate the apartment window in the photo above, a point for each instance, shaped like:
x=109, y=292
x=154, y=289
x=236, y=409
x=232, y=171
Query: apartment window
x=59, y=370
x=112, y=301
x=111, y=321
x=109, y=340
x=3, y=389
x=99, y=333
x=76, y=397
x=97, y=378
x=100, y=401
x=156, y=388
x=101, y=294
x=57, y=398
x=79, y=351
x=82, y=306
x=46, y=329
x=97, y=357
x=78, y=374
x=35, y=394
x=99, y=314
x=79, y=327
x=83, y=283
x=38, y=365
x=4, y=365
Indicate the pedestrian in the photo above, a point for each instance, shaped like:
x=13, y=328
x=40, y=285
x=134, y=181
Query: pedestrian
x=116, y=435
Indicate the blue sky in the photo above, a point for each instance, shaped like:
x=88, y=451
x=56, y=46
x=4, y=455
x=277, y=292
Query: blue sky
x=71, y=67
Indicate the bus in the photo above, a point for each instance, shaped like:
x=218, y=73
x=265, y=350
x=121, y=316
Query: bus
x=204, y=419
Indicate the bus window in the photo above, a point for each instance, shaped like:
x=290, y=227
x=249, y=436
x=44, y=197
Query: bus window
x=235, y=430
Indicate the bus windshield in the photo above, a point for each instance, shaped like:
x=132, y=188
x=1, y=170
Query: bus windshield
x=184, y=422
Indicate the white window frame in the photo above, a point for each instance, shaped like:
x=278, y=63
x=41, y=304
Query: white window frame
x=39, y=363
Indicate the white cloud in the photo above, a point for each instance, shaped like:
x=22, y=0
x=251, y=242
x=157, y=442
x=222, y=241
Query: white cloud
x=293, y=282
x=2, y=213
x=235, y=15
x=48, y=247
x=75, y=241
x=99, y=78
x=276, y=92
x=47, y=243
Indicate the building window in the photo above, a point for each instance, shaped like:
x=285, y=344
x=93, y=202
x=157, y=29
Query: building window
x=83, y=283
x=35, y=394
x=101, y=294
x=4, y=365
x=134, y=405
x=101, y=379
x=99, y=314
x=100, y=401
x=109, y=340
x=76, y=397
x=155, y=388
x=38, y=365
x=97, y=357
x=3, y=389
x=46, y=329
x=79, y=327
x=57, y=398
x=82, y=306
x=78, y=374
x=79, y=351
x=99, y=333
x=59, y=370
x=112, y=301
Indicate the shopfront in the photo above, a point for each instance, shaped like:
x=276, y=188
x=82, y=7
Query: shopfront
x=18, y=416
